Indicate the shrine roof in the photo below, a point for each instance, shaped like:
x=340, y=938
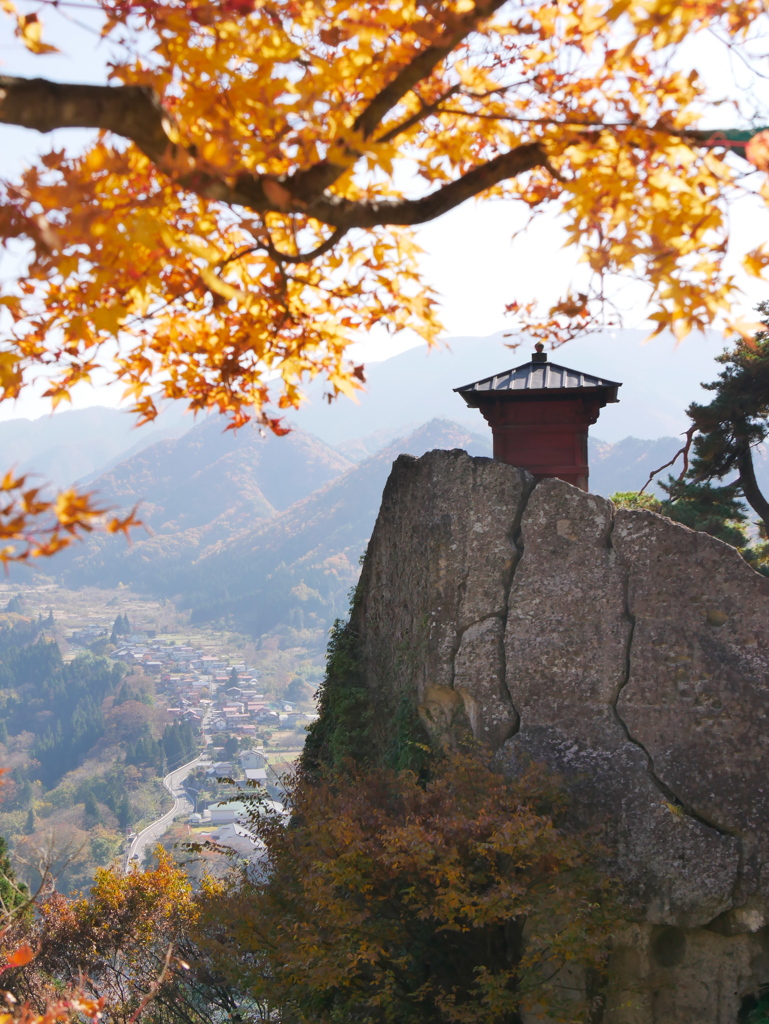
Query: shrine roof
x=538, y=376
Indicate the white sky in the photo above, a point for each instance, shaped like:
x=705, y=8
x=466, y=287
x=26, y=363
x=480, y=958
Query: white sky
x=469, y=254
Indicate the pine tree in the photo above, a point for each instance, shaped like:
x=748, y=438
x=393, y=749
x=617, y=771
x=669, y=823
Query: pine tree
x=91, y=808
x=123, y=811
x=706, y=507
x=737, y=419
x=31, y=822
x=14, y=605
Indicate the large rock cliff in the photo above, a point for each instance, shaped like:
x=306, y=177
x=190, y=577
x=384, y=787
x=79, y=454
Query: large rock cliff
x=628, y=653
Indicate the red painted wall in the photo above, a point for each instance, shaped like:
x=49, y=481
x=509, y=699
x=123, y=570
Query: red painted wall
x=548, y=437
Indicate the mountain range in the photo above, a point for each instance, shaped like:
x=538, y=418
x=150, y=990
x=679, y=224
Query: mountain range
x=261, y=530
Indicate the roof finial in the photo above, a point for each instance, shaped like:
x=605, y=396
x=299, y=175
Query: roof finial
x=539, y=356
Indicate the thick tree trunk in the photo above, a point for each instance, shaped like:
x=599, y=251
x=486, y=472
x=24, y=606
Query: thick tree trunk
x=750, y=487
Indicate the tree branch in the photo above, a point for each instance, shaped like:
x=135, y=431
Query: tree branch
x=135, y=113
x=313, y=182
x=420, y=67
x=284, y=257
x=132, y=111
x=750, y=487
x=681, y=451
x=424, y=111
x=343, y=213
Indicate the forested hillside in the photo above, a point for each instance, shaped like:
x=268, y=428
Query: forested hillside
x=299, y=567
x=60, y=704
x=194, y=493
x=85, y=747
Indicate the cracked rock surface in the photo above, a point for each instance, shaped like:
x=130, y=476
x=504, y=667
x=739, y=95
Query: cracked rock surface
x=628, y=653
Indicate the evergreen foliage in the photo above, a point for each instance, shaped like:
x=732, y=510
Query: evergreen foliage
x=176, y=747
x=759, y=1012
x=146, y=752
x=91, y=808
x=340, y=733
x=14, y=605
x=231, y=746
x=727, y=430
x=736, y=420
x=16, y=631
x=60, y=703
x=706, y=507
x=120, y=627
x=179, y=744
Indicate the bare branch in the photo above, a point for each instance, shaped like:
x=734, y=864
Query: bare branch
x=681, y=451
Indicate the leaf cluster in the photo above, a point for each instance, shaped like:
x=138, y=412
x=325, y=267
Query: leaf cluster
x=246, y=211
x=126, y=946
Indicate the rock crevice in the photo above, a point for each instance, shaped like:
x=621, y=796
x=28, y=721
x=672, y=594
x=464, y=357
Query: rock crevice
x=669, y=794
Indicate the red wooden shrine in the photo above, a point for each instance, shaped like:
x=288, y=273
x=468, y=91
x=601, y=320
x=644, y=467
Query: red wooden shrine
x=540, y=413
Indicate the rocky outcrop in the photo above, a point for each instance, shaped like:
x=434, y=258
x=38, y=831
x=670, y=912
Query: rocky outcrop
x=628, y=653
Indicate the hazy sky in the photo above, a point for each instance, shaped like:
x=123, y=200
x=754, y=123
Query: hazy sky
x=469, y=254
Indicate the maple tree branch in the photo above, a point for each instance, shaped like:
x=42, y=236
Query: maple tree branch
x=420, y=67
x=424, y=111
x=284, y=257
x=344, y=213
x=315, y=180
x=305, y=257
x=133, y=111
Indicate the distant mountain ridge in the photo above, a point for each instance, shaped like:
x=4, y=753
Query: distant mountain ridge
x=258, y=530
x=660, y=378
x=302, y=564
x=192, y=493
x=74, y=444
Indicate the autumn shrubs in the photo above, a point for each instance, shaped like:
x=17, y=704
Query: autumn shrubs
x=389, y=898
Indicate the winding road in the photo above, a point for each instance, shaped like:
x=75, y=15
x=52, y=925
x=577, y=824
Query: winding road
x=149, y=835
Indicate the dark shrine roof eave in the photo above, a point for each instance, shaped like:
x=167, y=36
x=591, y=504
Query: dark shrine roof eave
x=540, y=378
